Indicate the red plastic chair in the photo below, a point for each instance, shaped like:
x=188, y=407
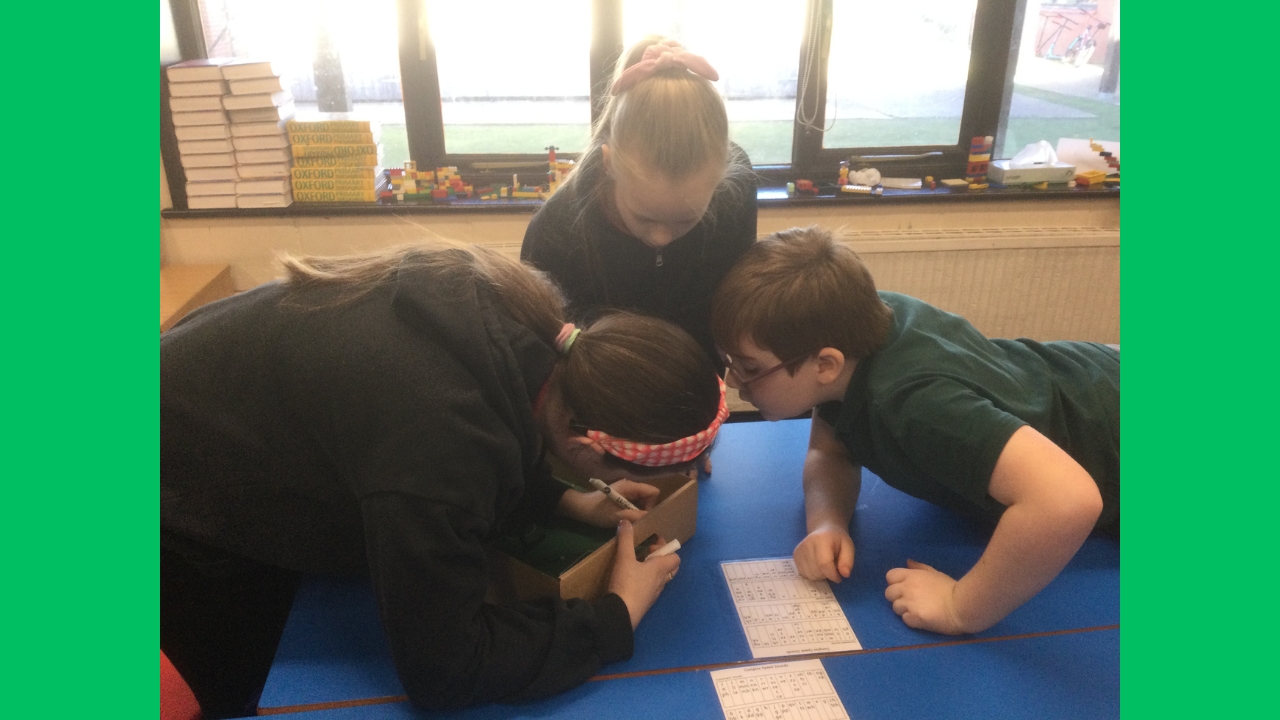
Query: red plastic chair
x=177, y=702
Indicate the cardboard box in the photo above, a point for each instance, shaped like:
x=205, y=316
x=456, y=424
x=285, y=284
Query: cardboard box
x=674, y=517
x=1059, y=172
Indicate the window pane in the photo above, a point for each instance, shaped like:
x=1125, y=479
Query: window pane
x=897, y=72
x=515, y=76
x=755, y=47
x=1068, y=78
x=353, y=44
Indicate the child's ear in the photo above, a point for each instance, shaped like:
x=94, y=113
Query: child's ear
x=830, y=365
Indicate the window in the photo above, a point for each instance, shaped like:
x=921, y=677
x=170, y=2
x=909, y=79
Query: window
x=753, y=48
x=897, y=70
x=332, y=56
x=904, y=84
x=514, y=86
x=1068, y=78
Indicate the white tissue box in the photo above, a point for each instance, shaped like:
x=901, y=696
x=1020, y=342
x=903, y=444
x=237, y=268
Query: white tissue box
x=1058, y=172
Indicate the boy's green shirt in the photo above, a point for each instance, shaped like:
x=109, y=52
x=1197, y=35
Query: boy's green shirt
x=932, y=410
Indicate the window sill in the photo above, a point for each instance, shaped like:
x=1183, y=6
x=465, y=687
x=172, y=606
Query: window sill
x=454, y=207
x=766, y=197
x=777, y=198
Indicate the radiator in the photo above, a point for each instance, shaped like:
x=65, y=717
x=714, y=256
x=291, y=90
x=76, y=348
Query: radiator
x=1058, y=283
x=1043, y=283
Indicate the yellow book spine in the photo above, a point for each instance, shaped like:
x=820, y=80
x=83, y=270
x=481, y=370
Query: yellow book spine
x=335, y=185
x=365, y=161
x=331, y=138
x=334, y=173
x=329, y=126
x=334, y=196
x=333, y=150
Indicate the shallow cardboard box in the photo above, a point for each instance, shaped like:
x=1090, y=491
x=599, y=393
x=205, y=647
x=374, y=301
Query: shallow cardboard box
x=674, y=517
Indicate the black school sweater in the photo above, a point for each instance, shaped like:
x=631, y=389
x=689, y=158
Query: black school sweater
x=392, y=434
x=600, y=267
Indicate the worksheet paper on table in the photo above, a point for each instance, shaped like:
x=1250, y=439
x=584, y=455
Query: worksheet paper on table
x=784, y=614
x=798, y=690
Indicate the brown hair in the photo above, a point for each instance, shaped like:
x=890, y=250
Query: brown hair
x=796, y=292
x=632, y=376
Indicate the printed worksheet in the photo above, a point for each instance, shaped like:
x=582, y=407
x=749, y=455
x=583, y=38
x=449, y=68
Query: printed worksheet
x=784, y=614
x=798, y=690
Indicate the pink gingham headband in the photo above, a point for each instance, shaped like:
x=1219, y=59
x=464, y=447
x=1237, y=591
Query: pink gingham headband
x=682, y=450
x=663, y=56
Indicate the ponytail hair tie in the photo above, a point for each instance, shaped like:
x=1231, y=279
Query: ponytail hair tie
x=564, y=340
x=663, y=56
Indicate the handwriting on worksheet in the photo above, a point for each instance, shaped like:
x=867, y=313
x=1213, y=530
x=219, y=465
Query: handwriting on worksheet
x=784, y=614
x=798, y=690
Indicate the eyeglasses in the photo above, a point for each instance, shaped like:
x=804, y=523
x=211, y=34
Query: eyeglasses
x=749, y=378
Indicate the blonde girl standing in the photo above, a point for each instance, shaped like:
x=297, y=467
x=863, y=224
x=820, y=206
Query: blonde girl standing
x=661, y=203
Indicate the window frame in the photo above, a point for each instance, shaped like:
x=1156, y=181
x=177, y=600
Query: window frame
x=988, y=93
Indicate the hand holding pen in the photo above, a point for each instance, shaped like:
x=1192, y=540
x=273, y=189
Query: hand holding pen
x=617, y=498
x=625, y=504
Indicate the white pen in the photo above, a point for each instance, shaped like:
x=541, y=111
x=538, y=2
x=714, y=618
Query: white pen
x=667, y=549
x=617, y=498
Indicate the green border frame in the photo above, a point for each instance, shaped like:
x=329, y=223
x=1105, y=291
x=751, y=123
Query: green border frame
x=81, y=446
x=82, y=437
x=1197, y=279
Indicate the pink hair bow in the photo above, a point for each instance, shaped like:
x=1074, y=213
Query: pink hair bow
x=662, y=56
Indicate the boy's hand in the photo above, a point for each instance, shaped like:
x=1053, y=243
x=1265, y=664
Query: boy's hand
x=639, y=583
x=924, y=598
x=827, y=552
x=595, y=508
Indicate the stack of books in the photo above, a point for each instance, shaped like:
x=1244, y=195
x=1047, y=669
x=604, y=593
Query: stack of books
x=196, y=88
x=335, y=160
x=259, y=106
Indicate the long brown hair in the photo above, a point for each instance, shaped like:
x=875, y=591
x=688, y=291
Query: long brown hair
x=632, y=376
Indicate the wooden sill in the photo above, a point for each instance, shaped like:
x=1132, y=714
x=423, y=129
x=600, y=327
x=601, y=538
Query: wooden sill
x=184, y=288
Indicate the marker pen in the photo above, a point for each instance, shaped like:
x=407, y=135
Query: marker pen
x=617, y=498
x=667, y=549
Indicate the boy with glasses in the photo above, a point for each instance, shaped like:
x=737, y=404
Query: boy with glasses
x=1020, y=433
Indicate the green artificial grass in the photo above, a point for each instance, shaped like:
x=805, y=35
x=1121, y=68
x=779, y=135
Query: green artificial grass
x=892, y=132
x=395, y=145
x=532, y=139
x=1020, y=132
x=769, y=142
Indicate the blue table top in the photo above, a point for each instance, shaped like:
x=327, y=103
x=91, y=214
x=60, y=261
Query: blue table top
x=333, y=648
x=1072, y=675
